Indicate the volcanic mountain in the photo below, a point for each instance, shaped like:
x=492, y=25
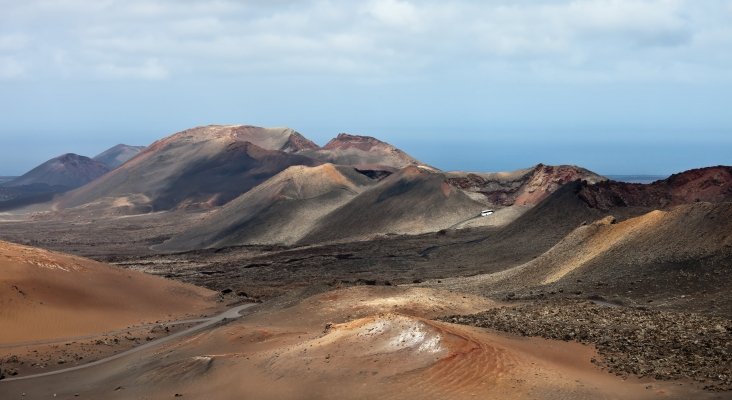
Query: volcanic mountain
x=118, y=155
x=413, y=200
x=45, y=295
x=205, y=166
x=281, y=210
x=364, y=151
x=68, y=171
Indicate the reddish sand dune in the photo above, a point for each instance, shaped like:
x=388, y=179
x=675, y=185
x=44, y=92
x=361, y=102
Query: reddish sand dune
x=45, y=295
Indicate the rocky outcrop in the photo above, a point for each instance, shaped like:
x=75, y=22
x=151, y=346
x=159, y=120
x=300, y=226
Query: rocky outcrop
x=523, y=187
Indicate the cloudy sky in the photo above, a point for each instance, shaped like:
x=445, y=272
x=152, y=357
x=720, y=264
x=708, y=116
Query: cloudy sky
x=618, y=86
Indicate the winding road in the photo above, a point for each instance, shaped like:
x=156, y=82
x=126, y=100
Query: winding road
x=232, y=313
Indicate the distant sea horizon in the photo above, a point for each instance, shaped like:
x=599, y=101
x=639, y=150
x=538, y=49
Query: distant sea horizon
x=638, y=178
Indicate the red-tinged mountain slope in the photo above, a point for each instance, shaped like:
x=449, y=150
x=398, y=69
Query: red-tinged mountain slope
x=712, y=184
x=200, y=167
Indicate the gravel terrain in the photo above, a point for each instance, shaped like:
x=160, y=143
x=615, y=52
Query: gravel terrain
x=631, y=341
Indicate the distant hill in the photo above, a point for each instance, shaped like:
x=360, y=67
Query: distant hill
x=118, y=155
x=49, y=179
x=69, y=170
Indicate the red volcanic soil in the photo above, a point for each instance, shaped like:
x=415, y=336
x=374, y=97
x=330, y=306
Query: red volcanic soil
x=712, y=184
x=357, y=343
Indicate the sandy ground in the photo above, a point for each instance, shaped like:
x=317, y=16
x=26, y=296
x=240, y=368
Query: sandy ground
x=49, y=295
x=359, y=342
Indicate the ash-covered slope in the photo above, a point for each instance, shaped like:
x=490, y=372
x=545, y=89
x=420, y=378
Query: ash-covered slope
x=712, y=184
x=413, y=200
x=68, y=171
x=279, y=211
x=364, y=151
x=118, y=155
x=522, y=187
x=681, y=255
x=200, y=167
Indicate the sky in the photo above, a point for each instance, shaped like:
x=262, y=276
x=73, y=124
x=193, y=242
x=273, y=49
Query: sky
x=616, y=86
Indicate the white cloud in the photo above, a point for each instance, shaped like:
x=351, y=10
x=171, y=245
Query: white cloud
x=378, y=39
x=13, y=42
x=10, y=68
x=149, y=70
x=396, y=13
